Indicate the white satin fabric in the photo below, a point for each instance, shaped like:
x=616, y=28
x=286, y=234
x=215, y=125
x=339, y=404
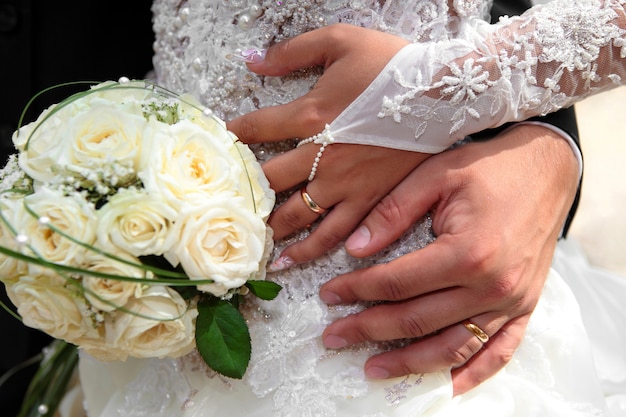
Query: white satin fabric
x=600, y=295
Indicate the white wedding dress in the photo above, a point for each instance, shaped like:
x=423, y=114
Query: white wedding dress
x=291, y=374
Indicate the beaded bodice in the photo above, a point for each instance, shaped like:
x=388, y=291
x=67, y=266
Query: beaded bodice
x=475, y=76
x=196, y=40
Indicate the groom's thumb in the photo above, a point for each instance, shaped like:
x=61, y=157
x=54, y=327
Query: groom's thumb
x=392, y=216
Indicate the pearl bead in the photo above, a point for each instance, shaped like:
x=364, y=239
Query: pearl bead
x=245, y=21
x=255, y=10
x=184, y=14
x=21, y=239
x=197, y=64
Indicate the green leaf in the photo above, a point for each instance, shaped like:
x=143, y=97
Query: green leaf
x=265, y=290
x=222, y=337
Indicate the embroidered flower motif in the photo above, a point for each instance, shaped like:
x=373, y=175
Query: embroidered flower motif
x=295, y=328
x=465, y=83
x=574, y=38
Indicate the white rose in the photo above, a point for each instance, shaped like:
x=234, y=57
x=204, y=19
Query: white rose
x=135, y=222
x=186, y=164
x=162, y=325
x=103, y=126
x=130, y=92
x=48, y=303
x=70, y=215
x=110, y=294
x=220, y=240
x=104, y=134
x=253, y=184
x=255, y=187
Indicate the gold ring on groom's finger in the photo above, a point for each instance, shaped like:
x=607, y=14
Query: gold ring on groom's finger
x=476, y=331
x=308, y=201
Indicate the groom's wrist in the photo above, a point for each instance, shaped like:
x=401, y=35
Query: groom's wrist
x=565, y=136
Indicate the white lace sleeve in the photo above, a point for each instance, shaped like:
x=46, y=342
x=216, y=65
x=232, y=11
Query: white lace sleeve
x=432, y=94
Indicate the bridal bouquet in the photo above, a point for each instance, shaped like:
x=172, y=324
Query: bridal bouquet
x=132, y=223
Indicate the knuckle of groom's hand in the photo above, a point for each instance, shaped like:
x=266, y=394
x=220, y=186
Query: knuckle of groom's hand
x=456, y=356
x=413, y=326
x=481, y=258
x=394, y=287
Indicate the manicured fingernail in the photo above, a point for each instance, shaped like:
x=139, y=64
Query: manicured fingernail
x=335, y=342
x=330, y=297
x=359, y=239
x=280, y=264
x=250, y=55
x=376, y=373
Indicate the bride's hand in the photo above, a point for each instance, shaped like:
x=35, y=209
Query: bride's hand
x=351, y=58
x=497, y=208
x=350, y=179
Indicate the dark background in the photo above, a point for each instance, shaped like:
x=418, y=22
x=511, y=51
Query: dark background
x=44, y=43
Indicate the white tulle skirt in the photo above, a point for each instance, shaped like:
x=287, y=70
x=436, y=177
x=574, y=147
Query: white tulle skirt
x=567, y=366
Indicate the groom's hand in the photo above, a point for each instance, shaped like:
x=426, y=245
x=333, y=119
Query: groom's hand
x=497, y=209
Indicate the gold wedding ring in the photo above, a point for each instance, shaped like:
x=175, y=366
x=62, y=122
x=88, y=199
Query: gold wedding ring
x=476, y=331
x=308, y=201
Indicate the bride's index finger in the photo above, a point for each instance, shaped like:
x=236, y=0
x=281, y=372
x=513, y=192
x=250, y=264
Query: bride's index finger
x=307, y=50
x=273, y=124
x=351, y=58
x=299, y=118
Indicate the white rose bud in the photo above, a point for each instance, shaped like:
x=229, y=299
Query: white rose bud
x=110, y=294
x=163, y=325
